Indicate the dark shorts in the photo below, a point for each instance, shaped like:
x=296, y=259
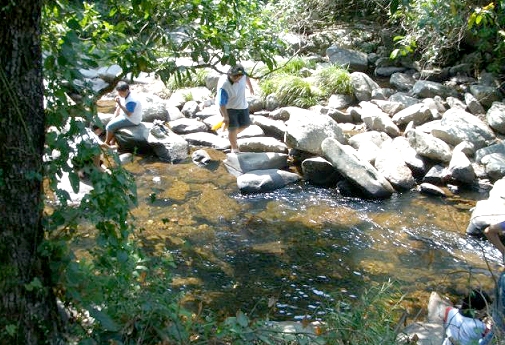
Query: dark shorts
x=238, y=118
x=502, y=226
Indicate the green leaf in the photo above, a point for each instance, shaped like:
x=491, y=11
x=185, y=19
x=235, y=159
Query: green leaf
x=35, y=284
x=74, y=181
x=242, y=319
x=394, y=6
x=107, y=323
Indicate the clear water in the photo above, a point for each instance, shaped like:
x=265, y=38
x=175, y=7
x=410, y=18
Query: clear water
x=287, y=252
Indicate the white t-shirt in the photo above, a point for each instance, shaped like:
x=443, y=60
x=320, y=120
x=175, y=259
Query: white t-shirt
x=132, y=102
x=462, y=330
x=235, y=91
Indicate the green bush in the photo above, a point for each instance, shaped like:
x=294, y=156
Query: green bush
x=295, y=65
x=290, y=90
x=333, y=80
x=433, y=31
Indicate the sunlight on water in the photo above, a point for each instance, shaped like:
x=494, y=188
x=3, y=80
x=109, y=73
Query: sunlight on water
x=299, y=245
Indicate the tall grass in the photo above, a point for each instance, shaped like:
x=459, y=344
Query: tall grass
x=187, y=79
x=370, y=319
x=333, y=80
x=291, y=88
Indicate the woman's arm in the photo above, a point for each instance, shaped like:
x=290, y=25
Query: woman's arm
x=249, y=85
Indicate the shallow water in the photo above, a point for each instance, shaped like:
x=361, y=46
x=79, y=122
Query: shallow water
x=288, y=251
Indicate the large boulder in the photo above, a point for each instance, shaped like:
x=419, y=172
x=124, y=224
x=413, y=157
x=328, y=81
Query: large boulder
x=319, y=171
x=390, y=164
x=363, y=86
x=134, y=138
x=360, y=173
x=429, y=146
x=261, y=144
x=168, y=146
x=306, y=130
x=457, y=125
x=352, y=59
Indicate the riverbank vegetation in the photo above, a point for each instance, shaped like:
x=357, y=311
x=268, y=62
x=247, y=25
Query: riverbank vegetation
x=115, y=293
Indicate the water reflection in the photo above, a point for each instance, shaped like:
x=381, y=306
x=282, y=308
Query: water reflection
x=286, y=252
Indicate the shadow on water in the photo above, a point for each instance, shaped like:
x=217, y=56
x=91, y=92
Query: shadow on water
x=287, y=252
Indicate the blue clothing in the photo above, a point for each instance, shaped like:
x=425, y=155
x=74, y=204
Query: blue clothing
x=118, y=122
x=222, y=97
x=130, y=106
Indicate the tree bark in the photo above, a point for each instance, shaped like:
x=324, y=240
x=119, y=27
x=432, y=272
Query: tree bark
x=28, y=310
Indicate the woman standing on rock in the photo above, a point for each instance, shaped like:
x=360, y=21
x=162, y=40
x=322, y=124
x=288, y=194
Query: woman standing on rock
x=233, y=104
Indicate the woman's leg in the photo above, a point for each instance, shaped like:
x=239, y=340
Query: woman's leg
x=114, y=125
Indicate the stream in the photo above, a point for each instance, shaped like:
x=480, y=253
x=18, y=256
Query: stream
x=288, y=253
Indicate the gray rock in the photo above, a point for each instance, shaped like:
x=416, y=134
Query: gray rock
x=358, y=172
x=427, y=89
x=473, y=105
x=261, y=144
x=458, y=125
x=260, y=181
x=460, y=168
x=495, y=117
x=495, y=165
x=201, y=157
x=430, y=189
x=429, y=146
x=390, y=164
x=241, y=163
x=437, y=175
x=169, y=147
x=320, y=172
x=418, y=114
x=271, y=127
x=186, y=126
x=340, y=101
x=363, y=86
x=402, y=81
x=305, y=131
x=485, y=95
x=205, y=139
x=352, y=59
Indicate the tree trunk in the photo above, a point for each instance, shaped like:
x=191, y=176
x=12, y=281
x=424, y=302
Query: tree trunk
x=28, y=311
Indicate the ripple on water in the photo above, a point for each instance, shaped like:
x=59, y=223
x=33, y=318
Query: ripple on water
x=300, y=245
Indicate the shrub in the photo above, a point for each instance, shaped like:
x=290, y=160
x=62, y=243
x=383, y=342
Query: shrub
x=434, y=31
x=295, y=65
x=334, y=80
x=290, y=90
